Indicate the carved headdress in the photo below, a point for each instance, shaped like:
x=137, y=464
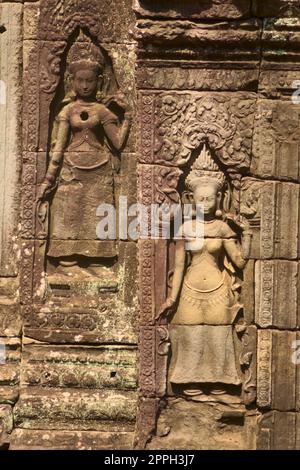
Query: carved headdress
x=85, y=54
x=205, y=171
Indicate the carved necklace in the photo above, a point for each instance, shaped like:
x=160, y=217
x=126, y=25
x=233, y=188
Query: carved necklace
x=208, y=221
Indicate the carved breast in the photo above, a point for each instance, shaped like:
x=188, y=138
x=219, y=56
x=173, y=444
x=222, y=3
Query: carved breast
x=86, y=149
x=204, y=272
x=85, y=123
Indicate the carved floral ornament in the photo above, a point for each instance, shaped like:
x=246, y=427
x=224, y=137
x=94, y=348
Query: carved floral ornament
x=62, y=17
x=183, y=122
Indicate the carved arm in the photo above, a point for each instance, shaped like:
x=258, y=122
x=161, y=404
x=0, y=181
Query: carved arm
x=180, y=258
x=56, y=156
x=234, y=252
x=117, y=135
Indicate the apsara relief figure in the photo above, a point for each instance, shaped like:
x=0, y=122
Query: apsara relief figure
x=87, y=139
x=204, y=303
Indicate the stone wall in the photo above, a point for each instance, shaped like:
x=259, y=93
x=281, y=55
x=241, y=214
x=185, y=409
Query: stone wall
x=219, y=73
x=223, y=72
x=75, y=383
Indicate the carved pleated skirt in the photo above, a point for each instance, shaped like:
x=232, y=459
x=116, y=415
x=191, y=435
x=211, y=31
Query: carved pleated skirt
x=203, y=354
x=73, y=218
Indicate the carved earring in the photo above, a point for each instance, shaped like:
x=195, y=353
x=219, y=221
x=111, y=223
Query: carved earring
x=218, y=212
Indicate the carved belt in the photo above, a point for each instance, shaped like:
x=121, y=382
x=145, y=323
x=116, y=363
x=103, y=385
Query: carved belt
x=208, y=290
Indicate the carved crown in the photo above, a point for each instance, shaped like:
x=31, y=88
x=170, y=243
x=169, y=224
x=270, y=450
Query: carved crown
x=84, y=53
x=205, y=170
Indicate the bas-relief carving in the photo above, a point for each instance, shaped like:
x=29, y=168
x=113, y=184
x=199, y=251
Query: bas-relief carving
x=206, y=327
x=91, y=123
x=183, y=121
x=99, y=304
x=275, y=230
x=105, y=410
x=274, y=297
x=10, y=135
x=100, y=367
x=59, y=19
x=207, y=426
x=226, y=130
x=86, y=141
x=198, y=78
x=175, y=129
x=276, y=140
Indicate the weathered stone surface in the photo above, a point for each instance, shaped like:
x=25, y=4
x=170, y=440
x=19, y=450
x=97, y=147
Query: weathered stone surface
x=78, y=325
x=10, y=315
x=276, y=140
x=31, y=106
x=23, y=439
x=288, y=8
x=154, y=349
x=248, y=292
x=31, y=20
x=49, y=57
x=10, y=355
x=216, y=9
x=126, y=184
x=158, y=185
x=58, y=20
x=146, y=421
x=175, y=124
x=216, y=79
x=123, y=58
x=206, y=425
x=264, y=368
x=277, y=350
x=275, y=229
x=103, y=367
x=10, y=139
x=278, y=431
x=10, y=318
x=6, y=425
x=280, y=41
x=277, y=83
x=87, y=318
x=81, y=408
x=153, y=271
x=201, y=77
x=277, y=294
x=173, y=33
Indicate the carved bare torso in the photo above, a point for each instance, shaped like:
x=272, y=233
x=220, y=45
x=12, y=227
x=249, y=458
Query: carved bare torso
x=88, y=147
x=205, y=271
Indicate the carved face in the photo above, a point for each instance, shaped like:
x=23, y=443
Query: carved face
x=85, y=83
x=206, y=195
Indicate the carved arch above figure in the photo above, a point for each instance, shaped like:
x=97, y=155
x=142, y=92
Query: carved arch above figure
x=184, y=121
x=52, y=58
x=60, y=18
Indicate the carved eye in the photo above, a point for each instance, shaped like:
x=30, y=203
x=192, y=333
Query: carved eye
x=84, y=116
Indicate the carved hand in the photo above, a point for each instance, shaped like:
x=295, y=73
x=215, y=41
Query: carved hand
x=43, y=190
x=121, y=100
x=167, y=308
x=246, y=243
x=238, y=222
